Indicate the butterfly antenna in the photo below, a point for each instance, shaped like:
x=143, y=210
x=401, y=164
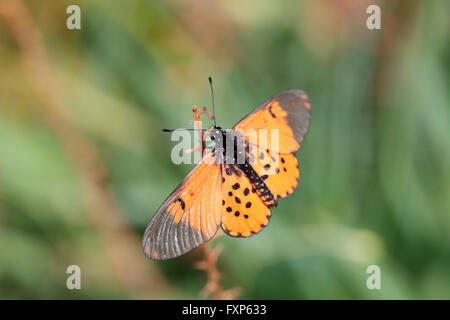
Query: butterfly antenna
x=212, y=97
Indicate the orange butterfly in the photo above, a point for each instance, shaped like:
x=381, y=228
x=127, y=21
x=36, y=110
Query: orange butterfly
x=234, y=195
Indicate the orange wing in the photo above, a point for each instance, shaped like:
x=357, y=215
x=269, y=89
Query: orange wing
x=189, y=217
x=244, y=212
x=279, y=171
x=275, y=161
x=289, y=112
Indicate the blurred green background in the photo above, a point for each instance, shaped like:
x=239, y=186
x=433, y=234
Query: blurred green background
x=84, y=164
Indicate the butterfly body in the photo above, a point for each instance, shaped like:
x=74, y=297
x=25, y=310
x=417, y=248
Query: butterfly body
x=237, y=182
x=235, y=164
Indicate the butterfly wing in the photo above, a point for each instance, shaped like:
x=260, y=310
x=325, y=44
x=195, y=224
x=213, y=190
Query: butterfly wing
x=189, y=217
x=278, y=170
x=289, y=112
x=244, y=212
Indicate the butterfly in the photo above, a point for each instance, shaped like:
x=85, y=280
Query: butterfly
x=236, y=196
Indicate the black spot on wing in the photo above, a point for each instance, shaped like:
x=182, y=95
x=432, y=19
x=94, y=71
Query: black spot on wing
x=271, y=113
x=183, y=205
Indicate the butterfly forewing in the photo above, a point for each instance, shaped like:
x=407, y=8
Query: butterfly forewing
x=289, y=112
x=189, y=217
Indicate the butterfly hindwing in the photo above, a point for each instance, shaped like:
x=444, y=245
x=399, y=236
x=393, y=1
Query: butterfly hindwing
x=243, y=211
x=278, y=171
x=189, y=217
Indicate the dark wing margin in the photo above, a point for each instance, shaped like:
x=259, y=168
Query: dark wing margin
x=189, y=217
x=298, y=107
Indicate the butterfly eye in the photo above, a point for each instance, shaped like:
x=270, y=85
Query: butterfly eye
x=216, y=135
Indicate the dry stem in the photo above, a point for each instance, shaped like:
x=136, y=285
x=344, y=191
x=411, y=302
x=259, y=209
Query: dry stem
x=213, y=286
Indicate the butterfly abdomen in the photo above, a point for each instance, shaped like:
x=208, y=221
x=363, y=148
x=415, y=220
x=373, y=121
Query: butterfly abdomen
x=258, y=182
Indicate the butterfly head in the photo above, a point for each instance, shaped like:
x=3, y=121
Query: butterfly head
x=216, y=133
